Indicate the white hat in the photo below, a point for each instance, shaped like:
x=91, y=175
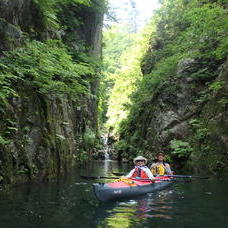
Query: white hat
x=140, y=158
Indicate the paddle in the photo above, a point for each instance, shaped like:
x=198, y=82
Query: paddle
x=186, y=176
x=98, y=177
x=104, y=177
x=177, y=176
x=142, y=179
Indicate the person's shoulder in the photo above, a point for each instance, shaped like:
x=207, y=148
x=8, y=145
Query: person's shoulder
x=166, y=164
x=153, y=164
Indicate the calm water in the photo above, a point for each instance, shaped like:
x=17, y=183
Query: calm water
x=71, y=203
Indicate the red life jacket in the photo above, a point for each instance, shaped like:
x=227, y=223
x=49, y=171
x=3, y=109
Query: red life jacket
x=139, y=173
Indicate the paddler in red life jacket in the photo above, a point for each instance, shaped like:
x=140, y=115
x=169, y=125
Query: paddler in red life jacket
x=140, y=170
x=159, y=167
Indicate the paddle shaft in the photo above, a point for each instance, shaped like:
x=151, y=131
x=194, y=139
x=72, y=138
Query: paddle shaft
x=98, y=177
x=104, y=177
x=186, y=176
x=177, y=176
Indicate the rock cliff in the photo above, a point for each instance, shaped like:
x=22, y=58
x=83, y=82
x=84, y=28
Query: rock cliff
x=42, y=135
x=189, y=111
x=180, y=105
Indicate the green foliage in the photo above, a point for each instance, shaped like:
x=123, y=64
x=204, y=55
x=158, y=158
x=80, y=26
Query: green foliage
x=205, y=154
x=179, y=30
x=217, y=85
x=201, y=140
x=45, y=67
x=116, y=41
x=23, y=171
x=3, y=141
x=82, y=156
x=89, y=138
x=48, y=13
x=49, y=10
x=125, y=73
x=206, y=36
x=202, y=75
x=201, y=132
x=121, y=145
x=127, y=149
x=180, y=148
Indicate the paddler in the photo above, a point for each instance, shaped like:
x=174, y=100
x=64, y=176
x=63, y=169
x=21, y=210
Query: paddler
x=160, y=167
x=140, y=170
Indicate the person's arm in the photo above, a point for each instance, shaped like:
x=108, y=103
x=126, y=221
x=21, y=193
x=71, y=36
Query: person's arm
x=149, y=173
x=129, y=175
x=168, y=169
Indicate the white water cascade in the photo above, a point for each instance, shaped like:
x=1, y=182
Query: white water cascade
x=106, y=148
x=107, y=161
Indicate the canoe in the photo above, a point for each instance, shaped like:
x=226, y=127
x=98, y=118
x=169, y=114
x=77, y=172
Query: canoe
x=132, y=187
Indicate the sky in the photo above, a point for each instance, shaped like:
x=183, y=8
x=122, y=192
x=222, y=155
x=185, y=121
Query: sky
x=145, y=9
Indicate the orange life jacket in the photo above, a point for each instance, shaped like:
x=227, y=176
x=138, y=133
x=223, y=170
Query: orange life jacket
x=139, y=173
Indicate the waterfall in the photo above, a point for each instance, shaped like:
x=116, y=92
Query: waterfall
x=106, y=148
x=107, y=161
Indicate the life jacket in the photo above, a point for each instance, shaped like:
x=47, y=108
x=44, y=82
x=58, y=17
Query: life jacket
x=158, y=170
x=139, y=173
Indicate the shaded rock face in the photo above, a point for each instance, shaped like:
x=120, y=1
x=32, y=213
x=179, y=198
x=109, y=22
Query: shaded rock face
x=17, y=16
x=7, y=32
x=171, y=108
x=170, y=112
x=48, y=138
x=215, y=113
x=46, y=132
x=168, y=115
x=18, y=12
x=87, y=28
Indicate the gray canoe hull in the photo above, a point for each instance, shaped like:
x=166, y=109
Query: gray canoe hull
x=103, y=192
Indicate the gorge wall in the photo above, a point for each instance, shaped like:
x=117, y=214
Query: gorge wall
x=181, y=105
x=188, y=120
x=49, y=86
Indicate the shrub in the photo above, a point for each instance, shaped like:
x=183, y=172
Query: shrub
x=180, y=148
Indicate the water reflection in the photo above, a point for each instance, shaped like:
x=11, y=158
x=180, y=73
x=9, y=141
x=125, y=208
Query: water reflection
x=132, y=213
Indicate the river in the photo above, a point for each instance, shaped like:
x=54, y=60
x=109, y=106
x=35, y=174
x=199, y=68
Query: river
x=70, y=203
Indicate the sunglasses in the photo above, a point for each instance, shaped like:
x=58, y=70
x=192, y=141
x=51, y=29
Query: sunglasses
x=140, y=161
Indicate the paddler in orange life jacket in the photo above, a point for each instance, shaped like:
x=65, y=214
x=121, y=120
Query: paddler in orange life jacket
x=159, y=167
x=140, y=170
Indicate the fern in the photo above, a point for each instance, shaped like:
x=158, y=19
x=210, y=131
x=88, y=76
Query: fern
x=46, y=67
